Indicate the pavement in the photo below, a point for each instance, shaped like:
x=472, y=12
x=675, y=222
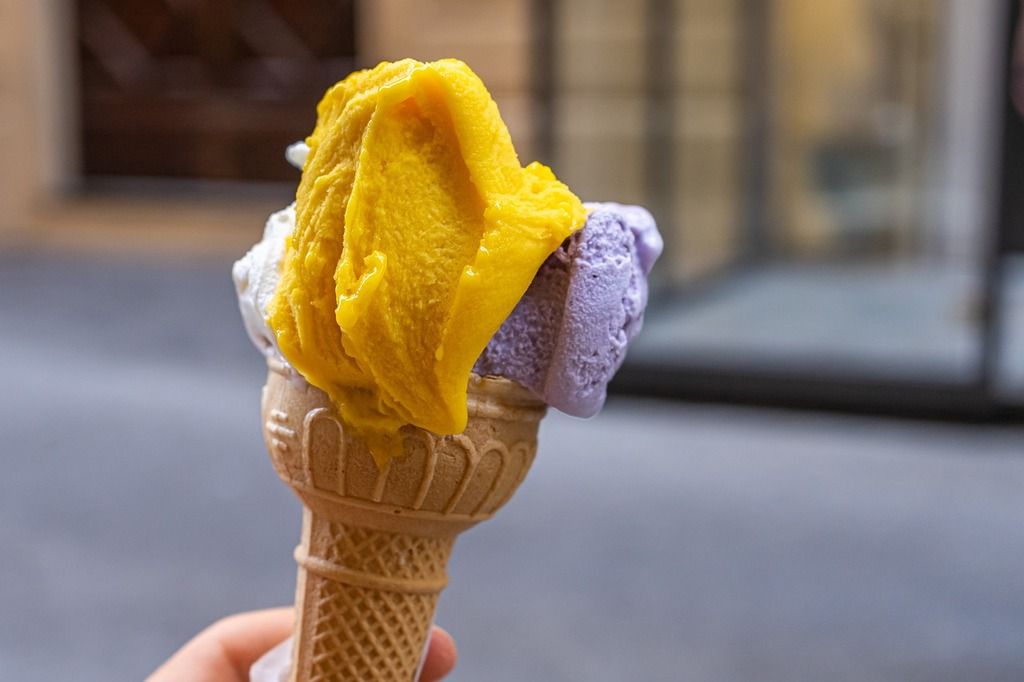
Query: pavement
x=658, y=541
x=916, y=321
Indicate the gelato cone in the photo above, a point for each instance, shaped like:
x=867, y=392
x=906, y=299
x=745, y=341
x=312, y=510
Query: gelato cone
x=419, y=306
x=375, y=542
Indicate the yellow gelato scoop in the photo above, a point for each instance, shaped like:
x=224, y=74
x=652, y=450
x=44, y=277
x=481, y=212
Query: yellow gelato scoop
x=417, y=232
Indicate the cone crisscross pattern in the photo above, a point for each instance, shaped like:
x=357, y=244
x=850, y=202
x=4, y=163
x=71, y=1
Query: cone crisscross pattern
x=395, y=555
x=363, y=634
x=367, y=634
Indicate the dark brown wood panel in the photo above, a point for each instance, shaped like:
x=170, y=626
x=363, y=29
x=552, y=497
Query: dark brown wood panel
x=205, y=88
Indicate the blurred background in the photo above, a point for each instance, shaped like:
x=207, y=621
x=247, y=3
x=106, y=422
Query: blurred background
x=811, y=466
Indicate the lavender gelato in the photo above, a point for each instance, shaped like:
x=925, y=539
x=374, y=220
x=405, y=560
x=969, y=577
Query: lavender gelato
x=568, y=335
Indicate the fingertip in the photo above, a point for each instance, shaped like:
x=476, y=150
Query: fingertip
x=441, y=656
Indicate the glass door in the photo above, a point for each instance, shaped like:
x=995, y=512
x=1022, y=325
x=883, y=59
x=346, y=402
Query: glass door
x=827, y=178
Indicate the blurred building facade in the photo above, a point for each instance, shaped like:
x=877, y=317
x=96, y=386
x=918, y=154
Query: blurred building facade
x=821, y=150
x=744, y=124
x=98, y=89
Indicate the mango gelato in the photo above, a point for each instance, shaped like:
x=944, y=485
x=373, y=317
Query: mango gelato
x=417, y=231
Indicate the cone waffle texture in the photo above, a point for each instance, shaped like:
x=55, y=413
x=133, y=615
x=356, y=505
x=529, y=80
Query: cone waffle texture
x=375, y=543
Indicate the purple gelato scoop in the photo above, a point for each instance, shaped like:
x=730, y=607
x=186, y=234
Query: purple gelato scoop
x=568, y=335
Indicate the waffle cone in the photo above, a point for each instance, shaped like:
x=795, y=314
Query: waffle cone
x=375, y=542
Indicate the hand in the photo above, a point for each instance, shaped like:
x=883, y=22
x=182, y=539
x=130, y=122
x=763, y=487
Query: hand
x=226, y=650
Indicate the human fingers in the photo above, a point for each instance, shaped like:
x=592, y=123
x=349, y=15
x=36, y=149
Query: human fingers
x=226, y=650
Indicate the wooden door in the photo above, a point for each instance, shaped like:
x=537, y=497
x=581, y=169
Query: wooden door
x=205, y=88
